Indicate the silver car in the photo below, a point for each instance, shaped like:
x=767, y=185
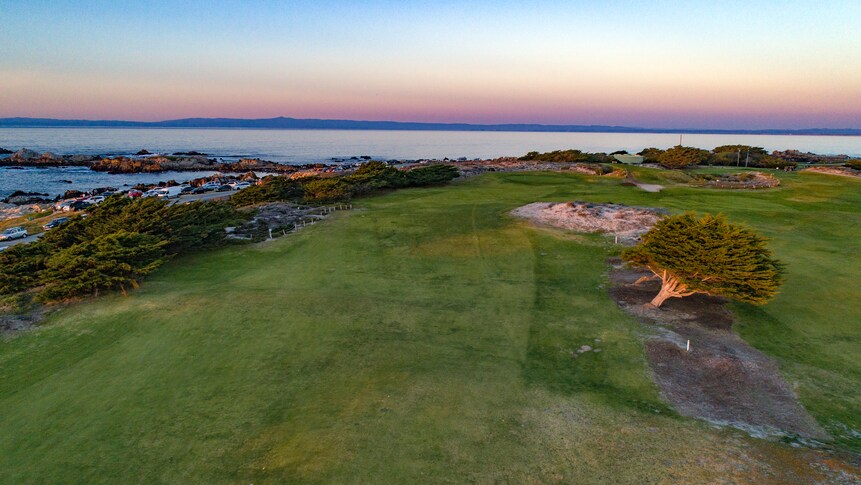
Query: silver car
x=13, y=233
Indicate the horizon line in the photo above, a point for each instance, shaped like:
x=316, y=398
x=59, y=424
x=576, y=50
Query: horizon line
x=284, y=122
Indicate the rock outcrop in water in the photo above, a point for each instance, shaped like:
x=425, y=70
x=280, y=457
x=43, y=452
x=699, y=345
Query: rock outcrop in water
x=30, y=158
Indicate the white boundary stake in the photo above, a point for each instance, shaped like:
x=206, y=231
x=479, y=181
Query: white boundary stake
x=688, y=348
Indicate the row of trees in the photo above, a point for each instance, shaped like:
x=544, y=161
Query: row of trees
x=369, y=178
x=117, y=244
x=675, y=157
x=726, y=155
x=569, y=156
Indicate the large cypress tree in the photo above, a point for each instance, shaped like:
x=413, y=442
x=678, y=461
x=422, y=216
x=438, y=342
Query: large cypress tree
x=707, y=255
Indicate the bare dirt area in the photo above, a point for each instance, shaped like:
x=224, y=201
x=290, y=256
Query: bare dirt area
x=13, y=323
x=626, y=222
x=511, y=164
x=743, y=180
x=842, y=171
x=721, y=379
x=281, y=218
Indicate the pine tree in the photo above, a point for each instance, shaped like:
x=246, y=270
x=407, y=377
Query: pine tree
x=707, y=255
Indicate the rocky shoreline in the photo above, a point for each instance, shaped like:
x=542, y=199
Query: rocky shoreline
x=146, y=162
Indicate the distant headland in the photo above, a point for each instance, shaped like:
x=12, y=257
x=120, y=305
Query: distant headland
x=283, y=123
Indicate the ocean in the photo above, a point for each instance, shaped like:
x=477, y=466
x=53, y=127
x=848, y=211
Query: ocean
x=305, y=146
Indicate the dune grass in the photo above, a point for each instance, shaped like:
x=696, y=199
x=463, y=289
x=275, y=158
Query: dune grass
x=425, y=336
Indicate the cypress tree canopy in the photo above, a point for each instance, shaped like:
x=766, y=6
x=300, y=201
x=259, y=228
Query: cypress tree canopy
x=707, y=255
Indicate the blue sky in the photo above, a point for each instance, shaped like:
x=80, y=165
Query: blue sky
x=660, y=64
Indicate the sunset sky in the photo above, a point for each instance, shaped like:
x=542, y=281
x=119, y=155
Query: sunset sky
x=722, y=64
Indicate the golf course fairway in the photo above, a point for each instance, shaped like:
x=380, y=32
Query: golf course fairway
x=426, y=336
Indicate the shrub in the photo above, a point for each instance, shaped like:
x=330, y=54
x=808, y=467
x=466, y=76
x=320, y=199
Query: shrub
x=681, y=157
x=566, y=156
x=437, y=174
x=271, y=189
x=326, y=190
x=774, y=162
x=650, y=155
x=121, y=241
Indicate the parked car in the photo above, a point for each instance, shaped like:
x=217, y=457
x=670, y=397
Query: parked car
x=96, y=199
x=64, y=205
x=210, y=186
x=134, y=193
x=224, y=188
x=152, y=193
x=199, y=190
x=13, y=233
x=241, y=185
x=74, y=205
x=187, y=189
x=56, y=222
x=170, y=192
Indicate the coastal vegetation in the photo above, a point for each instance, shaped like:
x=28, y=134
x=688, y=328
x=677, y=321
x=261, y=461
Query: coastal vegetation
x=429, y=334
x=369, y=178
x=567, y=156
x=120, y=242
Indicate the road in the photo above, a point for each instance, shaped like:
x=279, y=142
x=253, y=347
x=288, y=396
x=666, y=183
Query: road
x=6, y=244
x=205, y=196
x=181, y=199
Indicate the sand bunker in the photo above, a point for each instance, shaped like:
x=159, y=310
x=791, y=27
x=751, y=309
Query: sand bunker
x=721, y=379
x=620, y=220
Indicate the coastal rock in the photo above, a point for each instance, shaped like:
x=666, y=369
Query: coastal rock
x=19, y=197
x=189, y=154
x=4, y=151
x=24, y=155
x=143, y=152
x=50, y=156
x=72, y=194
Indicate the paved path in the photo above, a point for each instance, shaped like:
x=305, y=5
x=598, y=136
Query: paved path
x=6, y=244
x=204, y=196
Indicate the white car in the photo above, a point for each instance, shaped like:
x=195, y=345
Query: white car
x=13, y=233
x=241, y=185
x=96, y=199
x=153, y=193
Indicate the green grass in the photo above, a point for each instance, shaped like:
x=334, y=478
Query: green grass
x=425, y=336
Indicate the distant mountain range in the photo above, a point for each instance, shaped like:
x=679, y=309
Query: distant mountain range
x=282, y=123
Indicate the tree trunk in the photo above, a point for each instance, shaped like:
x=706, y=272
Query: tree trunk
x=671, y=287
x=662, y=295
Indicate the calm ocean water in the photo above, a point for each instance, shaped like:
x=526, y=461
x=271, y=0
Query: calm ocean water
x=303, y=146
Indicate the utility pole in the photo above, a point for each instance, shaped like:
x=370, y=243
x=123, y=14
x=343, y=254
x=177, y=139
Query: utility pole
x=747, y=158
x=738, y=158
x=680, y=139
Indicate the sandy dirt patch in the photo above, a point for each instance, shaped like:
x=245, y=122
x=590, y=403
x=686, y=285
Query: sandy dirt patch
x=842, y=171
x=743, y=180
x=649, y=187
x=626, y=222
x=721, y=379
